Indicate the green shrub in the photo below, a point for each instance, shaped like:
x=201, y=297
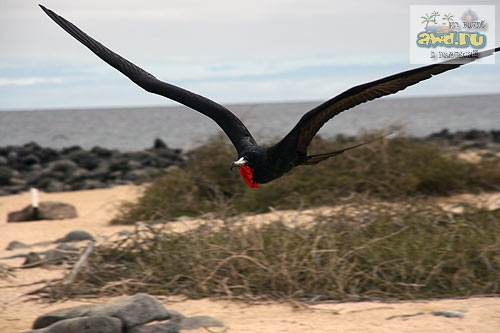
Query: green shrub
x=388, y=168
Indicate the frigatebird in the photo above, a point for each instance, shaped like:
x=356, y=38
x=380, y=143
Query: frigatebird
x=260, y=164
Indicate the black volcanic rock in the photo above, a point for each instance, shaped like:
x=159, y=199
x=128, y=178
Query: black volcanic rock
x=74, y=168
x=5, y=175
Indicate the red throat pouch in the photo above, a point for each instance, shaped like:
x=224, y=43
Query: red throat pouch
x=247, y=174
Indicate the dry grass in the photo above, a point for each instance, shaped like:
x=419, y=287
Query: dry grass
x=396, y=252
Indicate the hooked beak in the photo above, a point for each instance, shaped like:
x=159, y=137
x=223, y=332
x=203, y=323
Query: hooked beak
x=241, y=162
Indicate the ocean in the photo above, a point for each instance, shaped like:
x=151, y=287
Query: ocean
x=136, y=128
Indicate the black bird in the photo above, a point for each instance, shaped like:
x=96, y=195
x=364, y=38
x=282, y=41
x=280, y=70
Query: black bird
x=259, y=164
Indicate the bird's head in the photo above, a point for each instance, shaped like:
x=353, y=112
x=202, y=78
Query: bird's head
x=251, y=165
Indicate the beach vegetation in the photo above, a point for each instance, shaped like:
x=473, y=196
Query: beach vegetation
x=390, y=252
x=389, y=169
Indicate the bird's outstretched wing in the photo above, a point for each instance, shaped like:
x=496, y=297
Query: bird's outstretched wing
x=230, y=124
x=301, y=135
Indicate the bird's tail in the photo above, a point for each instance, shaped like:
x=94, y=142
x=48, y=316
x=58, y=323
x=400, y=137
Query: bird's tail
x=316, y=158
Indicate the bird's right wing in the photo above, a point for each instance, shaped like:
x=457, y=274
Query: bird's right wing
x=230, y=124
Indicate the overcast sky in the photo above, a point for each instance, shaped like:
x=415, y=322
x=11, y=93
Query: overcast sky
x=230, y=51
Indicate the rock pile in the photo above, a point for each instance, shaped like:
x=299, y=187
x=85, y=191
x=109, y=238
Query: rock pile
x=74, y=168
x=130, y=314
x=478, y=137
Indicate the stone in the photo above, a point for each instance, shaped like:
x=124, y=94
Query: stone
x=124, y=232
x=495, y=136
x=449, y=314
x=131, y=310
x=156, y=328
x=159, y=144
x=5, y=175
x=30, y=159
x=96, y=324
x=31, y=258
x=12, y=157
x=85, y=159
x=75, y=236
x=179, y=323
x=14, y=245
x=70, y=150
x=58, y=256
x=139, y=175
x=475, y=135
x=78, y=175
x=52, y=317
x=134, y=310
x=64, y=166
x=53, y=185
x=47, y=210
x=48, y=155
x=102, y=152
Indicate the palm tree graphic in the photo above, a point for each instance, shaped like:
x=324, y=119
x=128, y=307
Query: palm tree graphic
x=435, y=15
x=427, y=20
x=448, y=17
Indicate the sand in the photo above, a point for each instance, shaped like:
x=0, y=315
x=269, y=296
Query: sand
x=97, y=207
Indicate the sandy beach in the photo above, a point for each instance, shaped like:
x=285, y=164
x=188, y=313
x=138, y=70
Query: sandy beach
x=97, y=207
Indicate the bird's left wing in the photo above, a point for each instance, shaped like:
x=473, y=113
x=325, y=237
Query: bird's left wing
x=301, y=135
x=230, y=124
